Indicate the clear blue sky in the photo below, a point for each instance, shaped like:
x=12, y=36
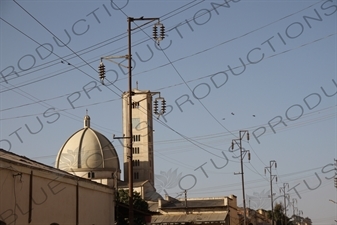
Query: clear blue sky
x=264, y=66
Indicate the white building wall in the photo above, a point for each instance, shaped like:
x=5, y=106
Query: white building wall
x=31, y=195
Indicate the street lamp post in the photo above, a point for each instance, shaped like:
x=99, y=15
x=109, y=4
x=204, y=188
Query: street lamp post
x=238, y=142
x=101, y=67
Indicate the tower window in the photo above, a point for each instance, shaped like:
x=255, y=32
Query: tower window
x=136, y=137
x=135, y=105
x=135, y=150
x=135, y=162
x=136, y=175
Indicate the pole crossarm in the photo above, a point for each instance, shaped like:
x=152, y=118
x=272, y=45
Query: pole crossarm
x=115, y=57
x=155, y=26
x=150, y=20
x=114, y=137
x=110, y=58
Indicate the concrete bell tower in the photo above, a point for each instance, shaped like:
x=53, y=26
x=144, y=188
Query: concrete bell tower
x=142, y=130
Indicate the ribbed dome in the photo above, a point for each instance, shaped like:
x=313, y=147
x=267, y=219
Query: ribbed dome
x=87, y=150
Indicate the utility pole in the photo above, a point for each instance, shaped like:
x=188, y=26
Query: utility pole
x=293, y=205
x=186, y=202
x=238, y=142
x=335, y=203
x=300, y=212
x=283, y=189
x=101, y=68
x=269, y=169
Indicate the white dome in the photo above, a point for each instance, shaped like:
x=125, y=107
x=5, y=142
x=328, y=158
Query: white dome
x=87, y=150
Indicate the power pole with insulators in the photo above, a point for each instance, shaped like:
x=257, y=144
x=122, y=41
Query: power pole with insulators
x=293, y=205
x=283, y=189
x=186, y=201
x=238, y=142
x=269, y=169
x=101, y=70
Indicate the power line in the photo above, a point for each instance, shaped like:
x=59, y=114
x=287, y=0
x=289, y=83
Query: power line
x=227, y=41
x=94, y=47
x=183, y=80
x=54, y=35
x=177, y=72
x=62, y=59
x=80, y=57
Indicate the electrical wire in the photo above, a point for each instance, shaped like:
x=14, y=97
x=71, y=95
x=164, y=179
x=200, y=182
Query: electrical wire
x=51, y=33
x=60, y=73
x=183, y=80
x=93, y=47
x=89, y=64
x=177, y=72
x=190, y=89
x=185, y=83
x=226, y=40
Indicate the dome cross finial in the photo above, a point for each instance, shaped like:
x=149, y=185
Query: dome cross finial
x=86, y=120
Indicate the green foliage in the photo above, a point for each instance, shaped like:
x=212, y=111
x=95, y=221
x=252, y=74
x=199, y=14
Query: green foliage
x=123, y=196
x=279, y=216
x=278, y=212
x=138, y=203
